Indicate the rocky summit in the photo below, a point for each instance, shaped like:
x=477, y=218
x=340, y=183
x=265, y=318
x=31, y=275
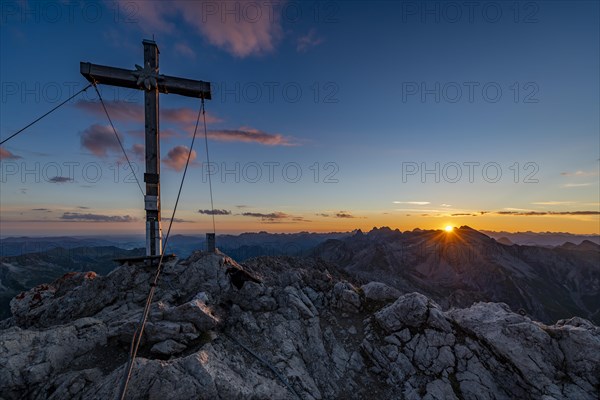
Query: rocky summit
x=281, y=328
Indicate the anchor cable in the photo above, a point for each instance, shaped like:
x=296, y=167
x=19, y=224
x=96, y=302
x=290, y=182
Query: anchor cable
x=137, y=335
x=212, y=207
x=118, y=138
x=48, y=113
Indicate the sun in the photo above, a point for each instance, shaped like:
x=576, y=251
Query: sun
x=448, y=228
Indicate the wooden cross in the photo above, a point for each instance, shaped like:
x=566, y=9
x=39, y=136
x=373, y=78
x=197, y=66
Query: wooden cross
x=148, y=79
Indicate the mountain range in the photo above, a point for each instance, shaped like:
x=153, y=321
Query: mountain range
x=464, y=266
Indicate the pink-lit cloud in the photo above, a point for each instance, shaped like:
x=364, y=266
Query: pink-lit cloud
x=139, y=151
x=308, y=41
x=251, y=135
x=72, y=216
x=7, y=155
x=242, y=28
x=177, y=157
x=100, y=140
x=185, y=50
x=124, y=111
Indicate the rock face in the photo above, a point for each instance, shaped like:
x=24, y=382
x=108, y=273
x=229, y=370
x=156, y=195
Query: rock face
x=300, y=331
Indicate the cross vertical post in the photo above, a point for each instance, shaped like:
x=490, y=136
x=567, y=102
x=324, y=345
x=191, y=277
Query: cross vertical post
x=152, y=175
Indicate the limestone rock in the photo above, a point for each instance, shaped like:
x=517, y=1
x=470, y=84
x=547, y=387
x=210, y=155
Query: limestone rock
x=303, y=331
x=380, y=291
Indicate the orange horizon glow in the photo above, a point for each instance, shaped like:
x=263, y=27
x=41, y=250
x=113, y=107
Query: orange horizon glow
x=237, y=225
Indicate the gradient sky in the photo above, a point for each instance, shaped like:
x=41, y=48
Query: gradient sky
x=369, y=94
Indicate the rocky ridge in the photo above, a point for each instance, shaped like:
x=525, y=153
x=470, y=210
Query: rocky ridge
x=304, y=330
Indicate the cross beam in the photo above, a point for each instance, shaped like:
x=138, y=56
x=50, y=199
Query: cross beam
x=148, y=79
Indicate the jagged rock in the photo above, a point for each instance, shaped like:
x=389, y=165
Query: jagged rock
x=195, y=312
x=167, y=348
x=29, y=357
x=380, y=291
x=302, y=331
x=346, y=297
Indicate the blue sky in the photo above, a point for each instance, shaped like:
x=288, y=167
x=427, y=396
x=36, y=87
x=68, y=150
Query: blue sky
x=386, y=87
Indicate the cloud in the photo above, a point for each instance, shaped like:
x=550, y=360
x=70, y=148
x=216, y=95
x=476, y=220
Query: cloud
x=267, y=217
x=177, y=157
x=308, y=41
x=177, y=220
x=126, y=111
x=7, y=155
x=185, y=116
x=535, y=213
x=185, y=50
x=71, y=216
x=40, y=209
x=552, y=203
x=99, y=139
x=569, y=185
x=463, y=215
x=215, y=212
x=276, y=217
x=344, y=214
x=184, y=120
x=252, y=34
x=165, y=133
x=59, y=179
x=250, y=135
x=139, y=151
x=446, y=205
x=580, y=173
x=242, y=206
x=415, y=203
x=242, y=28
x=322, y=215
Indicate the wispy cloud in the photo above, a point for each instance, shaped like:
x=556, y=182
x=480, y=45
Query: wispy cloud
x=414, y=203
x=308, y=41
x=534, y=213
x=215, y=212
x=7, y=155
x=572, y=185
x=183, y=120
x=580, y=173
x=275, y=217
x=71, y=216
x=250, y=135
x=344, y=214
x=552, y=203
x=139, y=151
x=177, y=220
x=177, y=157
x=185, y=50
x=126, y=111
x=60, y=179
x=267, y=217
x=122, y=111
